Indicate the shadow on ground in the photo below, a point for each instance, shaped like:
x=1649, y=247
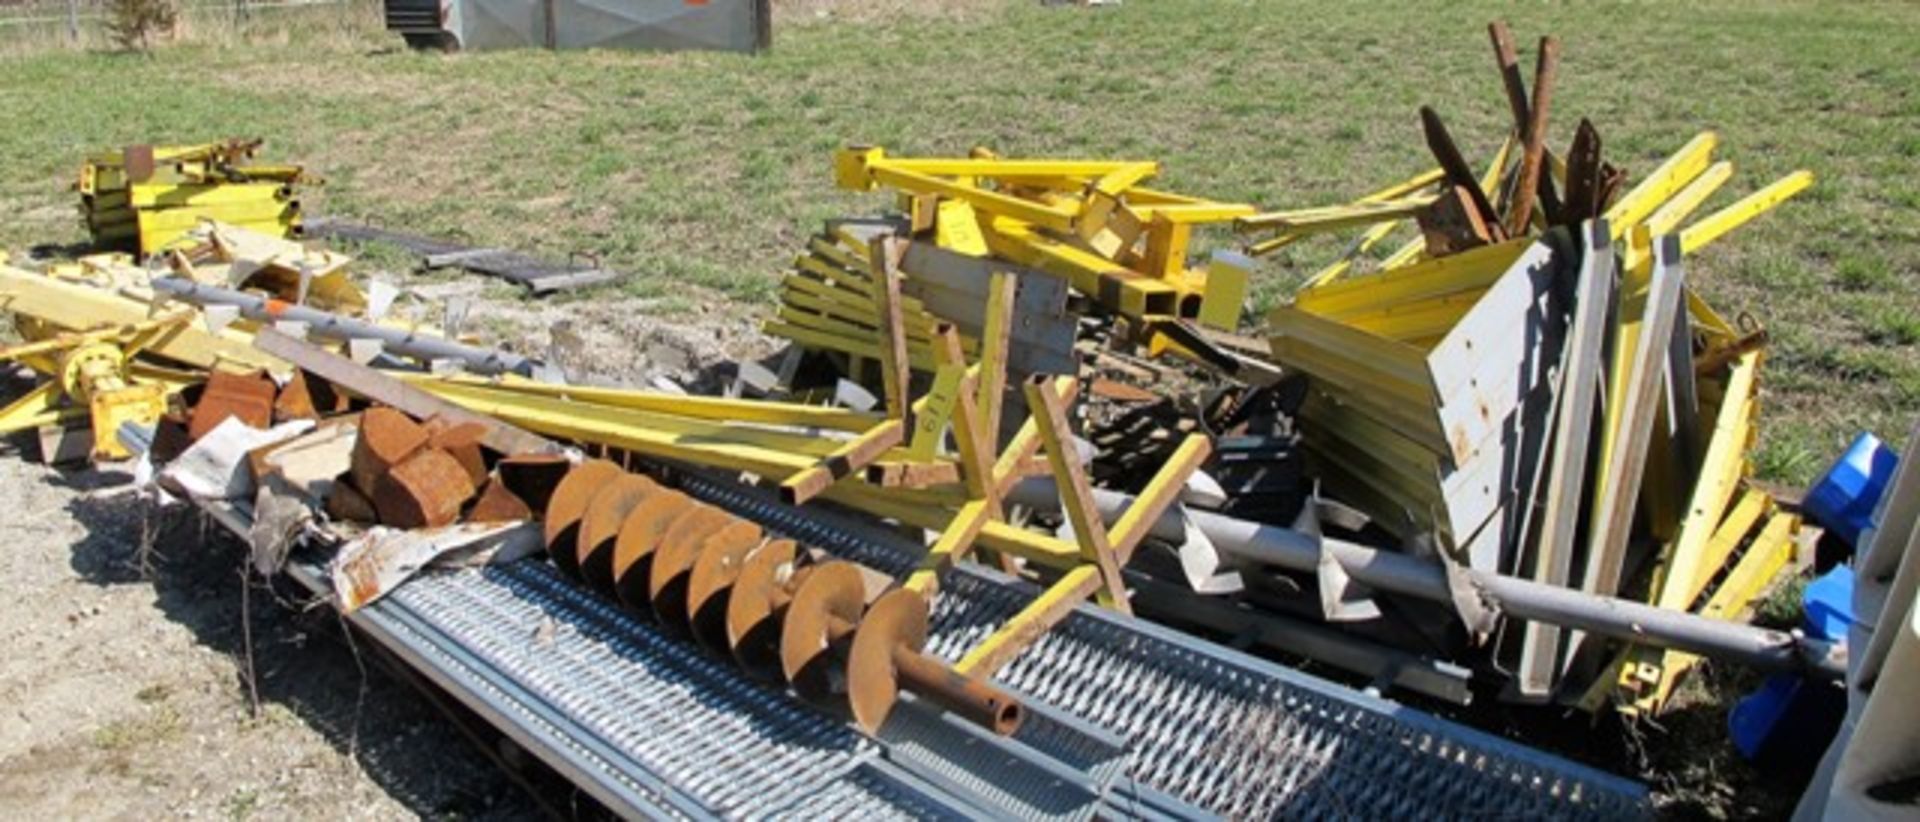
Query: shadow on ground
x=302, y=658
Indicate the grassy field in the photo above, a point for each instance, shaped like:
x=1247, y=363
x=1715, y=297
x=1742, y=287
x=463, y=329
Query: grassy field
x=711, y=168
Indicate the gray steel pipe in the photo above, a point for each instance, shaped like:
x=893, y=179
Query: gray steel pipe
x=1523, y=598
x=332, y=326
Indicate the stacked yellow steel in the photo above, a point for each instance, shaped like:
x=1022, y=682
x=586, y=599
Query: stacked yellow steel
x=1089, y=222
x=143, y=197
x=1387, y=353
x=826, y=303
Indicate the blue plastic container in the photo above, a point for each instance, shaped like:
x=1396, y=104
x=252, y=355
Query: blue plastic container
x=1829, y=604
x=1843, y=499
x=1786, y=724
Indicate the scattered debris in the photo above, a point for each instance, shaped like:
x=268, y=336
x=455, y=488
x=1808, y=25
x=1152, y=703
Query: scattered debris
x=1513, y=451
x=537, y=276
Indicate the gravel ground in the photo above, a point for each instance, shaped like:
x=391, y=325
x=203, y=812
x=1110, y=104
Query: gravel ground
x=124, y=688
x=125, y=676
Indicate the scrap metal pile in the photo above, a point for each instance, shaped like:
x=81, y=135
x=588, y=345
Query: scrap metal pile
x=1512, y=452
x=142, y=197
x=1527, y=387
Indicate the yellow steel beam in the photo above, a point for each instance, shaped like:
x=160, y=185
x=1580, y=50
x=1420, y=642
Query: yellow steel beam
x=1160, y=492
x=1031, y=623
x=1692, y=563
x=850, y=458
x=1056, y=217
x=997, y=168
x=1712, y=226
x=1670, y=177
x=41, y=406
x=1770, y=552
x=72, y=307
x=1335, y=218
x=957, y=229
x=1191, y=213
x=999, y=536
x=187, y=218
x=1114, y=182
x=773, y=454
x=1109, y=283
x=177, y=195
x=719, y=409
x=1709, y=534
x=1075, y=492
x=1475, y=268
x=933, y=411
x=956, y=537
x=1667, y=218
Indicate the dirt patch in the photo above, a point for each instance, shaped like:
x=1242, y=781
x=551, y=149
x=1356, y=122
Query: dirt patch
x=124, y=688
x=609, y=338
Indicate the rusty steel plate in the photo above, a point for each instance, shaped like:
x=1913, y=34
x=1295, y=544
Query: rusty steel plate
x=823, y=613
x=752, y=631
x=568, y=505
x=673, y=558
x=593, y=550
x=710, y=583
x=898, y=618
x=639, y=534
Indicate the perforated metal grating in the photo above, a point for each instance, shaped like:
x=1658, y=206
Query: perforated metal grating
x=728, y=744
x=1227, y=732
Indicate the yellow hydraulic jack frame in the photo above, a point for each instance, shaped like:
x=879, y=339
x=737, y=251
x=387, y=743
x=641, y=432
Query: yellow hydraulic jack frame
x=92, y=375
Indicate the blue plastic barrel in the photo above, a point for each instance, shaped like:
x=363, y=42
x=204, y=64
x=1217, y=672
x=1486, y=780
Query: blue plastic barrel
x=1843, y=499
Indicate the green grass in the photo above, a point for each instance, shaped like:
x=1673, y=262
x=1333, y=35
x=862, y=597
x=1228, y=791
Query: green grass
x=703, y=173
x=158, y=724
x=709, y=169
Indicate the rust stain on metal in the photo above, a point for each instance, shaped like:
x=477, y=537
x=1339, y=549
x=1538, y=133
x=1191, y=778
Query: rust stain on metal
x=567, y=504
x=248, y=397
x=295, y=401
x=752, y=630
x=425, y=491
x=497, y=503
x=673, y=569
x=710, y=586
x=387, y=437
x=640, y=533
x=462, y=442
x=601, y=526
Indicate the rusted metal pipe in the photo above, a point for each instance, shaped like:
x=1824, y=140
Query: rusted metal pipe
x=969, y=697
